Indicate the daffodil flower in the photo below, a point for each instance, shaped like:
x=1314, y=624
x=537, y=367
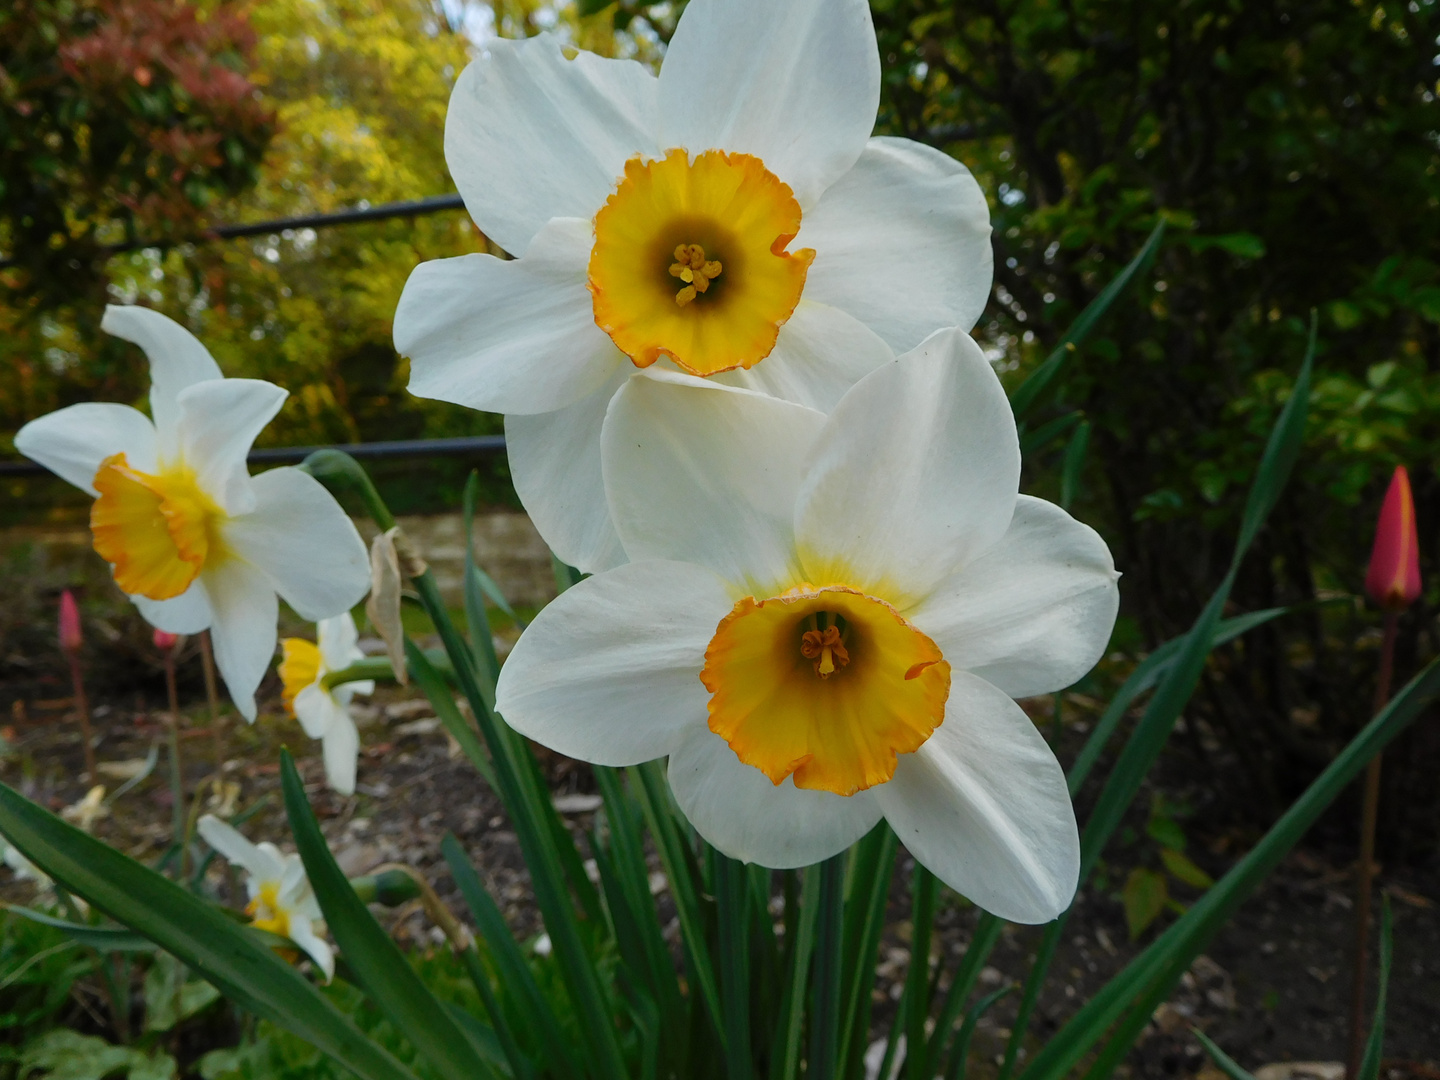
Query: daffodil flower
x=281, y=900
x=324, y=712
x=191, y=536
x=826, y=620
x=731, y=218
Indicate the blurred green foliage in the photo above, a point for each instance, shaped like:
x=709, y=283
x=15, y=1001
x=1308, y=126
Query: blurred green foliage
x=1294, y=148
x=117, y=118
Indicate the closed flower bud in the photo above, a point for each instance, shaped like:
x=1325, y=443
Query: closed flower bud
x=164, y=641
x=1393, y=581
x=69, y=623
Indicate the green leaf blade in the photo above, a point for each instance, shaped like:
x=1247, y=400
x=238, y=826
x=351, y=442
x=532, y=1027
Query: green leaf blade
x=380, y=967
x=196, y=932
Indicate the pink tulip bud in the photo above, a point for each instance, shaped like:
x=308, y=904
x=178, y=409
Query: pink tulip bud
x=69, y=623
x=1394, y=578
x=163, y=641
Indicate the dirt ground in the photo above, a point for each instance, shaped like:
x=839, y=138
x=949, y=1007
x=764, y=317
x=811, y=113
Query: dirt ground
x=1272, y=987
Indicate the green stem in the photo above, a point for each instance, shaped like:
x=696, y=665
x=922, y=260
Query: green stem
x=924, y=889
x=801, y=930
x=825, y=1007
x=982, y=943
x=734, y=916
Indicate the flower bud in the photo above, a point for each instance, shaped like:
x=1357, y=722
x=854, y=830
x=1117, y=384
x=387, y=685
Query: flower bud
x=1393, y=581
x=164, y=641
x=69, y=623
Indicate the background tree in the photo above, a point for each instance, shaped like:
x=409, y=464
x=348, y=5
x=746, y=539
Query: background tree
x=118, y=119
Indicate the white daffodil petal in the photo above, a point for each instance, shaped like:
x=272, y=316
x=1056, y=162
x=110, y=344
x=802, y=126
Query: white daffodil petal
x=188, y=613
x=342, y=751
x=259, y=863
x=510, y=337
x=795, y=83
x=294, y=885
x=707, y=474
x=1033, y=613
x=338, y=641
x=983, y=804
x=821, y=352
x=302, y=932
x=243, y=633
x=531, y=136
x=303, y=542
x=609, y=671
x=316, y=710
x=177, y=360
x=916, y=473
x=218, y=423
x=737, y=809
x=902, y=242
x=555, y=466
x=345, y=691
x=72, y=442
x=279, y=866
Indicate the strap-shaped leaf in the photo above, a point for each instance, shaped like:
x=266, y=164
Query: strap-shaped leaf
x=477, y=621
x=868, y=890
x=791, y=1020
x=197, y=932
x=437, y=692
x=100, y=938
x=648, y=783
x=1223, y=1061
x=514, y=973
x=1146, y=674
x=982, y=943
x=1146, y=981
x=379, y=966
x=1028, y=393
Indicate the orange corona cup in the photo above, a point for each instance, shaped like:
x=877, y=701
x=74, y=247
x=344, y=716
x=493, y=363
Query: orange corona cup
x=1393, y=581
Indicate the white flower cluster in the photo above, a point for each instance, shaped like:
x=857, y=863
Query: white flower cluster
x=733, y=356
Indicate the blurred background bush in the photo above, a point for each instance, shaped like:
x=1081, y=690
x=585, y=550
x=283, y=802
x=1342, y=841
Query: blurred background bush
x=1293, y=147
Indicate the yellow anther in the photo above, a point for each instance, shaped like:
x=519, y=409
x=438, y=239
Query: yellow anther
x=826, y=648
x=691, y=267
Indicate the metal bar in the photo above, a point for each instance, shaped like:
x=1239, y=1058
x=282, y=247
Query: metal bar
x=462, y=445
x=408, y=208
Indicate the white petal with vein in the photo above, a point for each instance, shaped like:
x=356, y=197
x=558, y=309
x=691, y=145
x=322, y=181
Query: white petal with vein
x=609, y=671
x=983, y=804
x=708, y=474
x=1034, y=612
x=902, y=242
x=72, y=442
x=795, y=83
x=916, y=473
x=511, y=337
x=737, y=809
x=531, y=136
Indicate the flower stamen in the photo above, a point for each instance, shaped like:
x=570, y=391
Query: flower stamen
x=827, y=648
x=691, y=267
